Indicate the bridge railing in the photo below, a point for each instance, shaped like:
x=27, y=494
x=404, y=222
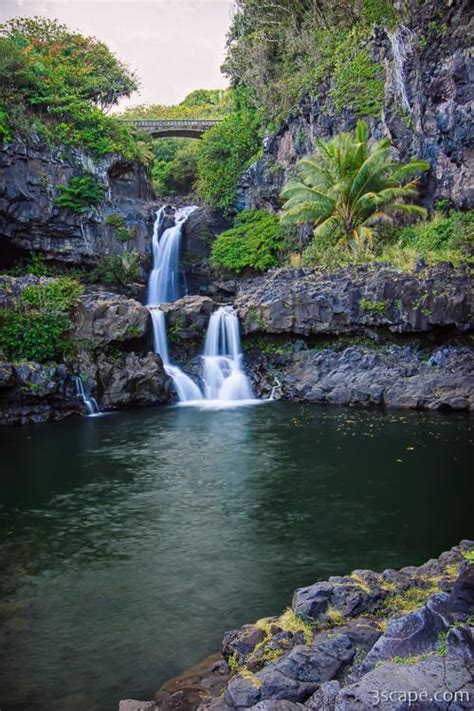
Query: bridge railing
x=173, y=123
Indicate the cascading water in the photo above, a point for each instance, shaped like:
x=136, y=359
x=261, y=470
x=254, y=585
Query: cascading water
x=223, y=374
x=163, y=287
x=401, y=41
x=89, y=401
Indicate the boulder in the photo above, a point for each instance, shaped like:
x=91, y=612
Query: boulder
x=103, y=317
x=187, y=318
x=33, y=393
x=392, y=376
x=133, y=379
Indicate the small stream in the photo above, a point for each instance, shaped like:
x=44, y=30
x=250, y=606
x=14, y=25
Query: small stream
x=130, y=543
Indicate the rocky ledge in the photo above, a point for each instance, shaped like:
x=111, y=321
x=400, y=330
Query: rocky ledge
x=307, y=302
x=353, y=642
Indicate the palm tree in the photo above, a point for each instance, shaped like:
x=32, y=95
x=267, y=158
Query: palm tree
x=349, y=186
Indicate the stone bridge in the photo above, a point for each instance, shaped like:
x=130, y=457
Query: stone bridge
x=178, y=128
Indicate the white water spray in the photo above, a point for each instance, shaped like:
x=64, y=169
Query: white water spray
x=163, y=287
x=223, y=374
x=401, y=45
x=90, y=402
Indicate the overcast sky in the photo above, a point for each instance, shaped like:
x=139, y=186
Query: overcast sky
x=175, y=46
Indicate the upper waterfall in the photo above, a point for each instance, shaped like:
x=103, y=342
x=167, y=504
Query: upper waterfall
x=163, y=287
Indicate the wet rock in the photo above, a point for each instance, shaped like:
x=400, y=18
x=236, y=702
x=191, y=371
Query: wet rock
x=240, y=643
x=33, y=393
x=132, y=705
x=394, y=376
x=187, y=318
x=134, y=379
x=344, y=595
x=324, y=697
x=430, y=648
x=388, y=687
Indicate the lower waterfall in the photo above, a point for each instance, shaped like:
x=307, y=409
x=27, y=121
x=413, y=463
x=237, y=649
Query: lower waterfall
x=223, y=374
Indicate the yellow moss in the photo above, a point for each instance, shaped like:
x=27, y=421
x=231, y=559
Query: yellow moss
x=335, y=617
x=265, y=624
x=234, y=665
x=407, y=601
x=452, y=570
x=361, y=582
x=383, y=624
x=290, y=622
x=389, y=587
x=250, y=676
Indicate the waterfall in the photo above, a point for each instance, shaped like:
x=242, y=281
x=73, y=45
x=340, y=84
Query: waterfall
x=223, y=374
x=163, y=287
x=401, y=45
x=89, y=401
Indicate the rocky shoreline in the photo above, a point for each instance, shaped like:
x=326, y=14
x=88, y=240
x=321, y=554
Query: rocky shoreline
x=352, y=642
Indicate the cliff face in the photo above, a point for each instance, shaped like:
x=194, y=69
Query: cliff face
x=427, y=109
x=30, y=220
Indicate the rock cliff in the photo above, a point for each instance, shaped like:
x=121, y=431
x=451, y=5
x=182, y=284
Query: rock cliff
x=427, y=109
x=30, y=173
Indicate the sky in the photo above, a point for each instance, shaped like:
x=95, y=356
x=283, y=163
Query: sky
x=175, y=46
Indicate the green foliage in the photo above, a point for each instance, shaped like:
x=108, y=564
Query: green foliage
x=281, y=55
x=59, y=83
x=35, y=328
x=441, y=239
x=119, y=226
x=80, y=193
x=253, y=242
x=442, y=232
x=37, y=265
x=373, y=307
x=199, y=104
x=349, y=187
x=116, y=269
x=358, y=82
x=225, y=152
x=175, y=168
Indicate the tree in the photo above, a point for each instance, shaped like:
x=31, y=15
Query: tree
x=226, y=150
x=349, y=186
x=64, y=65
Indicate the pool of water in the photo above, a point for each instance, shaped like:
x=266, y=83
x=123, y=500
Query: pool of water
x=130, y=543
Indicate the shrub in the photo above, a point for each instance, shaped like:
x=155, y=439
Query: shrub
x=119, y=225
x=253, y=242
x=443, y=238
x=116, y=269
x=80, y=193
x=35, y=328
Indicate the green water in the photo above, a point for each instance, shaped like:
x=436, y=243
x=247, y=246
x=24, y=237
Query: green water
x=130, y=543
